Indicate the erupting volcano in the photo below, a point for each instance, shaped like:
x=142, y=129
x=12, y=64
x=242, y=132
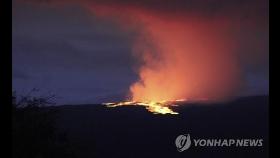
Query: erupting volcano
x=184, y=49
x=188, y=57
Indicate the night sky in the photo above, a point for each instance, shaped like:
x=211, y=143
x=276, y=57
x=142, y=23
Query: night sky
x=68, y=51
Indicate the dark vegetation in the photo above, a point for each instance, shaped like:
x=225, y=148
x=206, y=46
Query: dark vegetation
x=34, y=132
x=87, y=131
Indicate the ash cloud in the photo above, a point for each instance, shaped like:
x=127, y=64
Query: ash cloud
x=188, y=48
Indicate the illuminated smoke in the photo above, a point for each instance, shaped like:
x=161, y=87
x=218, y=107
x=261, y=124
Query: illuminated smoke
x=188, y=54
x=182, y=57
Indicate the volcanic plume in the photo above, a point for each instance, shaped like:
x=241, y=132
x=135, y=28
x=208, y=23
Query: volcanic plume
x=186, y=50
x=188, y=57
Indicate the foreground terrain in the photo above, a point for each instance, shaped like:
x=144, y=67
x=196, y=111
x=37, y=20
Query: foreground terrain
x=131, y=131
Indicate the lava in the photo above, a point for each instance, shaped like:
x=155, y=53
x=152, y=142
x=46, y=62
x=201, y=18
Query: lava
x=156, y=107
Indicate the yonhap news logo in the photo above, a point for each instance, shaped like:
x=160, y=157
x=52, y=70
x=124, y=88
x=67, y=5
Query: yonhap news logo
x=184, y=142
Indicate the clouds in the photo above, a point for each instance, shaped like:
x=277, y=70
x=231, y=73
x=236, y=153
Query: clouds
x=54, y=41
x=206, y=6
x=248, y=18
x=67, y=38
x=69, y=53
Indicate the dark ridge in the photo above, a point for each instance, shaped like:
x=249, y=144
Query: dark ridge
x=132, y=131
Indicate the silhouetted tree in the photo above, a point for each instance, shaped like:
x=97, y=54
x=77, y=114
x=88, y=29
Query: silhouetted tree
x=34, y=129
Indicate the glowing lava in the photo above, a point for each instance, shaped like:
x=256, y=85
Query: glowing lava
x=160, y=107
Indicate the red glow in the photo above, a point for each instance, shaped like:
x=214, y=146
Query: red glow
x=183, y=57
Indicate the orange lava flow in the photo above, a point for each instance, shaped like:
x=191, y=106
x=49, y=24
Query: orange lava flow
x=161, y=107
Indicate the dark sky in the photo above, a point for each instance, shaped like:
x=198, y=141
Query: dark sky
x=69, y=52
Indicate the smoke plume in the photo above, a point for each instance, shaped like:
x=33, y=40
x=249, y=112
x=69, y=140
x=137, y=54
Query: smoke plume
x=187, y=49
